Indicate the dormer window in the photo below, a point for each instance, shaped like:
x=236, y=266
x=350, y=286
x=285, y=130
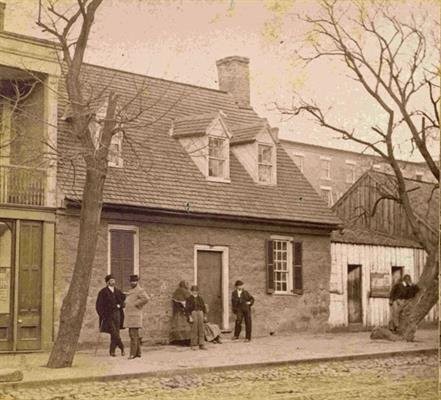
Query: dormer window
x=217, y=157
x=115, y=151
x=255, y=146
x=265, y=163
x=206, y=138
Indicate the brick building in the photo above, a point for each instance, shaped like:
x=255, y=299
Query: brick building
x=332, y=171
x=200, y=190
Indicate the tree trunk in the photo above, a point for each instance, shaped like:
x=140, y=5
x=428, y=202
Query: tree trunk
x=74, y=304
x=415, y=311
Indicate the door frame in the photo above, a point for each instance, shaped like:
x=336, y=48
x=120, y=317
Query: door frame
x=224, y=278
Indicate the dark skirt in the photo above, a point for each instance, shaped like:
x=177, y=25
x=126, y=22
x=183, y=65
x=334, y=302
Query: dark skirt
x=180, y=328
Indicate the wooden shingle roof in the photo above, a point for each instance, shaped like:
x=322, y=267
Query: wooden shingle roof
x=389, y=225
x=158, y=172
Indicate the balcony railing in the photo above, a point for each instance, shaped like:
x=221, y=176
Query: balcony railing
x=22, y=185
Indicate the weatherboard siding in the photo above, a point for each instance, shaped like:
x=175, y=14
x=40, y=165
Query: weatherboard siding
x=372, y=259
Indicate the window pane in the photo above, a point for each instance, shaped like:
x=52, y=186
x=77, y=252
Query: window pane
x=216, y=147
x=216, y=156
x=265, y=173
x=281, y=271
x=215, y=168
x=325, y=169
x=264, y=154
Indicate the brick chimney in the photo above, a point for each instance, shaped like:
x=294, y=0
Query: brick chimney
x=2, y=16
x=234, y=77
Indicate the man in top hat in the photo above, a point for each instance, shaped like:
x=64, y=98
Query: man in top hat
x=109, y=306
x=241, y=302
x=136, y=299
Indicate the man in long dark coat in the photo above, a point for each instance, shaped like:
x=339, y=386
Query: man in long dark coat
x=109, y=306
x=400, y=295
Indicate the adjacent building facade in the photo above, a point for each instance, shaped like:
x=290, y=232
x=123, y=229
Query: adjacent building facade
x=372, y=252
x=333, y=171
x=29, y=73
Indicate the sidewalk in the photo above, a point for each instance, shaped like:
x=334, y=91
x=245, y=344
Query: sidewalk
x=169, y=360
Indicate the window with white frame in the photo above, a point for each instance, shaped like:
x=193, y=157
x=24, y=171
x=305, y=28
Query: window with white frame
x=326, y=193
x=265, y=163
x=115, y=151
x=217, y=157
x=350, y=171
x=325, y=168
x=284, y=265
x=114, y=158
x=282, y=255
x=299, y=160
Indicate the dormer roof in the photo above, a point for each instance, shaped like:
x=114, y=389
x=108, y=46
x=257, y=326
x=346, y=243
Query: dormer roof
x=197, y=124
x=248, y=133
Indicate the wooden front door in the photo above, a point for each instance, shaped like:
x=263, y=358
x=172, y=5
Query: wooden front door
x=7, y=273
x=29, y=286
x=354, y=294
x=122, y=256
x=209, y=280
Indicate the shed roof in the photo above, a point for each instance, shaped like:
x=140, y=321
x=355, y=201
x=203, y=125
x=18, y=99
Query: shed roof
x=424, y=197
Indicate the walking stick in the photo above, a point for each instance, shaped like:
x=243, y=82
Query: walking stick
x=98, y=339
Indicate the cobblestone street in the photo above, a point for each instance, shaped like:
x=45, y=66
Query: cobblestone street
x=398, y=378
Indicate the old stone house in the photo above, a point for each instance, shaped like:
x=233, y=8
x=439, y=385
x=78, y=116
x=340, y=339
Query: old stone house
x=373, y=250
x=199, y=189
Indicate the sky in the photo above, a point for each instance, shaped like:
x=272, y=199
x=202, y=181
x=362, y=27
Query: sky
x=182, y=39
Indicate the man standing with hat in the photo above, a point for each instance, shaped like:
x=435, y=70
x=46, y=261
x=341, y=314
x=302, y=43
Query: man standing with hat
x=136, y=299
x=109, y=306
x=241, y=302
x=196, y=311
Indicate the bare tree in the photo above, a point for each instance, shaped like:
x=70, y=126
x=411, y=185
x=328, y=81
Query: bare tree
x=96, y=115
x=395, y=61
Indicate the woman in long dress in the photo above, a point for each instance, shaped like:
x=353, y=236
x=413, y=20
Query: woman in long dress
x=180, y=328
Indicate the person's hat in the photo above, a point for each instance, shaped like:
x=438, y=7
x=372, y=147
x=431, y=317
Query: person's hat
x=194, y=288
x=109, y=277
x=238, y=283
x=134, y=278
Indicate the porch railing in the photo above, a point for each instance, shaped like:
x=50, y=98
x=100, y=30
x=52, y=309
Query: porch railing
x=22, y=185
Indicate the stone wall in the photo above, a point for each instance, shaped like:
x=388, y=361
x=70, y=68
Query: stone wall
x=166, y=256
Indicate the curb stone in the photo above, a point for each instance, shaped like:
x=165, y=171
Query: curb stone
x=220, y=368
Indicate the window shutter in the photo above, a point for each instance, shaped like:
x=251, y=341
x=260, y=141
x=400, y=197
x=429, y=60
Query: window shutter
x=269, y=267
x=297, y=273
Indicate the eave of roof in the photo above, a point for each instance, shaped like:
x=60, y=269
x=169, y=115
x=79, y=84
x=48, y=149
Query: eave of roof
x=359, y=236
x=73, y=203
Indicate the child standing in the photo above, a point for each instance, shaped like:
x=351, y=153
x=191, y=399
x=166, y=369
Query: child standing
x=195, y=309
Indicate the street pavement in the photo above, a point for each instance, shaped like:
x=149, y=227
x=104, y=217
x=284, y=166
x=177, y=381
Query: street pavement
x=174, y=360
x=403, y=377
